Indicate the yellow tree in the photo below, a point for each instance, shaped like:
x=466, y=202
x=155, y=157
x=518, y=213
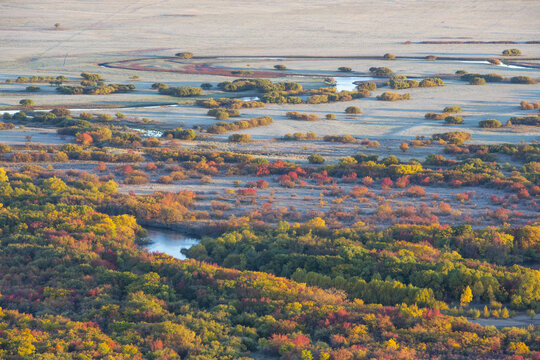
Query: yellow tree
x=466, y=296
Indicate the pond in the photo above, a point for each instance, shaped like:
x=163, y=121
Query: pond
x=169, y=242
x=348, y=83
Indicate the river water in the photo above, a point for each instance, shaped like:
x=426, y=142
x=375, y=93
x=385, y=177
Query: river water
x=169, y=242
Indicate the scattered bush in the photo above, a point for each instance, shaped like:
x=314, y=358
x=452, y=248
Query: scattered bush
x=431, y=82
x=435, y=116
x=6, y=126
x=353, y=110
x=477, y=81
x=206, y=86
x=91, y=76
x=165, y=179
x=404, y=146
x=344, y=69
x=179, y=133
x=494, y=61
x=452, y=109
x=229, y=103
x=33, y=89
x=431, y=57
x=490, y=124
x=330, y=116
x=315, y=159
x=522, y=80
x=86, y=116
x=294, y=115
x=181, y=91
x=280, y=67
x=532, y=106
x=242, y=72
x=159, y=85
x=453, y=120
x=389, y=56
x=222, y=127
x=223, y=114
x=511, y=52
x=487, y=77
x=390, y=96
x=26, y=102
x=380, y=71
x=240, y=138
x=184, y=55
x=455, y=137
x=370, y=86
x=526, y=120
x=340, y=138
x=298, y=136
x=397, y=83
x=95, y=90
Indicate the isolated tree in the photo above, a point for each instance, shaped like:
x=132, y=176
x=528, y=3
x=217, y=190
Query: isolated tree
x=184, y=55
x=26, y=102
x=57, y=26
x=404, y=146
x=315, y=159
x=353, y=110
x=466, y=296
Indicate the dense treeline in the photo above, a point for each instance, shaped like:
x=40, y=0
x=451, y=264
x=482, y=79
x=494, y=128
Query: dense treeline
x=95, y=90
x=76, y=286
x=420, y=265
x=224, y=127
x=180, y=91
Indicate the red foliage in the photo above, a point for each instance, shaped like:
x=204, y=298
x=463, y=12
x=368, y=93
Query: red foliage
x=261, y=184
x=85, y=139
x=386, y=183
x=247, y=192
x=350, y=177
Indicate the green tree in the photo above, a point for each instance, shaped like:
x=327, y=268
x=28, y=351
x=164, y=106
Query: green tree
x=26, y=102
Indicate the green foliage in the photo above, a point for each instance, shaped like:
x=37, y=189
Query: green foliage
x=184, y=55
x=371, y=86
x=298, y=136
x=180, y=91
x=380, y=71
x=511, y=52
x=26, y=102
x=454, y=137
x=452, y=109
x=91, y=76
x=522, y=80
x=224, y=127
x=240, y=138
x=75, y=284
x=490, y=123
x=179, y=133
x=33, y=89
x=477, y=81
x=390, y=96
x=431, y=82
x=353, y=110
x=315, y=159
x=453, y=120
x=294, y=115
